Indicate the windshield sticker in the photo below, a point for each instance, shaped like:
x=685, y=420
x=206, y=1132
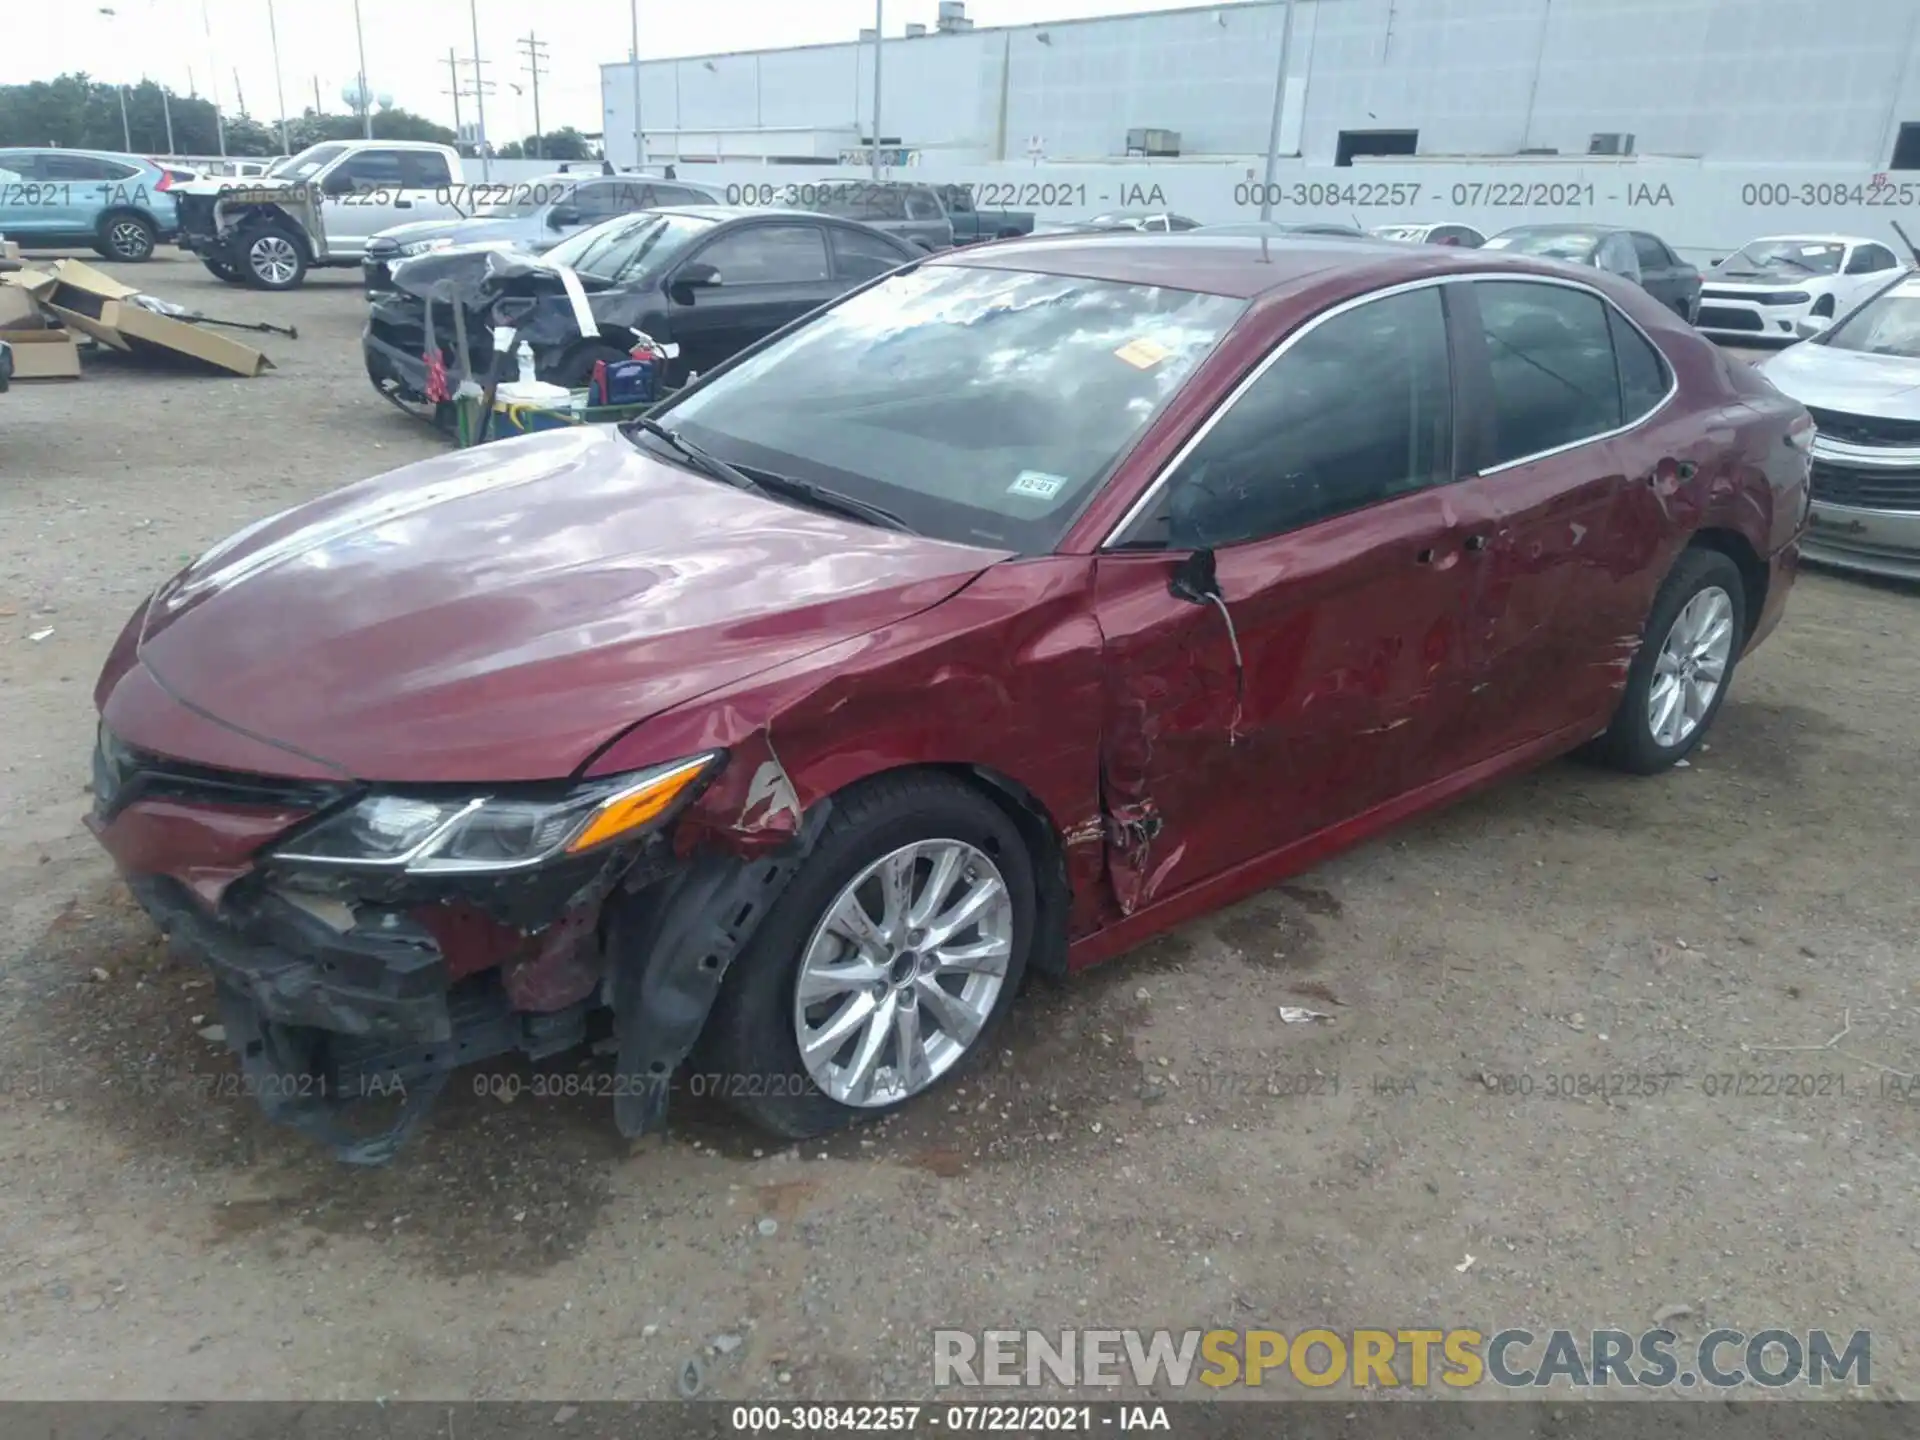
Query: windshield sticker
x=1036, y=483
x=1143, y=354
x=1816, y=249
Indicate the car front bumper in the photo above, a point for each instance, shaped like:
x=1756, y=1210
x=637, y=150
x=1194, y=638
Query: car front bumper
x=1866, y=508
x=1744, y=317
x=348, y=1000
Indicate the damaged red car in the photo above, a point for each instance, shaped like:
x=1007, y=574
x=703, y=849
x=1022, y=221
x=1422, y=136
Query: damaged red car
x=1030, y=600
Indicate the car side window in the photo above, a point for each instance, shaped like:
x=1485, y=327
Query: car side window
x=23, y=163
x=610, y=198
x=1550, y=354
x=1651, y=254
x=922, y=206
x=678, y=195
x=83, y=167
x=369, y=170
x=424, y=170
x=1357, y=410
x=1644, y=376
x=1868, y=258
x=1617, y=255
x=1181, y=222
x=769, y=255
x=859, y=256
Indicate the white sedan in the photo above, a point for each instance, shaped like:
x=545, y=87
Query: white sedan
x=1763, y=287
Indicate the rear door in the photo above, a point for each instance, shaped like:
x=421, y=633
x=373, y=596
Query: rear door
x=1315, y=687
x=1667, y=277
x=860, y=255
x=82, y=187
x=770, y=271
x=1868, y=267
x=1560, y=590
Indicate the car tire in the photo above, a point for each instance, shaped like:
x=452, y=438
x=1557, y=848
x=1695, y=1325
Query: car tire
x=752, y=1043
x=126, y=235
x=1700, y=615
x=223, y=270
x=575, y=369
x=272, y=256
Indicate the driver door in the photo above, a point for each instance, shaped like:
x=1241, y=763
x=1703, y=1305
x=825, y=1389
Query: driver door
x=769, y=273
x=1327, y=677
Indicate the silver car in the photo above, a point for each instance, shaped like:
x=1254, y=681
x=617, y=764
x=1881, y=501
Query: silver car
x=1860, y=380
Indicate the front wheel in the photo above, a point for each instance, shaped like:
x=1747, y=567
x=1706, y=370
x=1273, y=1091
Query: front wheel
x=891, y=957
x=223, y=269
x=272, y=257
x=1680, y=675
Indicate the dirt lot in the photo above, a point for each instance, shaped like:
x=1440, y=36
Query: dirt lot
x=1152, y=1148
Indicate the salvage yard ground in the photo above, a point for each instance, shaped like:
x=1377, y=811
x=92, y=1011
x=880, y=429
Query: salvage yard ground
x=1151, y=1147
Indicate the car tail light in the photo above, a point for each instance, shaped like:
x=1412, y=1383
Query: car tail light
x=165, y=183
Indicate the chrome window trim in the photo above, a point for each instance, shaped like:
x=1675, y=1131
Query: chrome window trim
x=1152, y=492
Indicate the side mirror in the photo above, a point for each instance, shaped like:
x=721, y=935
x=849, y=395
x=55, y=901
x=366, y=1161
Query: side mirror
x=1196, y=579
x=694, y=275
x=338, y=183
x=1808, y=326
x=561, y=216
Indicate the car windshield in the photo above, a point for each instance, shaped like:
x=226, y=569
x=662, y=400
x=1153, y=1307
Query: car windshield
x=623, y=244
x=304, y=165
x=1889, y=324
x=1811, y=257
x=1574, y=245
x=1398, y=232
x=982, y=406
x=519, y=201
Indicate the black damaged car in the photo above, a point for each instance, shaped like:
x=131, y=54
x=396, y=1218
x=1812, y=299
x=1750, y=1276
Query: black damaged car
x=703, y=281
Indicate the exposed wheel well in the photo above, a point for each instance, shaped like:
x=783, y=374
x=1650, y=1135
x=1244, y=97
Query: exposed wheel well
x=1042, y=839
x=1753, y=570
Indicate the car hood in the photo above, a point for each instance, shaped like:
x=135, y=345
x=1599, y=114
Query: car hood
x=1852, y=381
x=1771, y=277
x=459, y=232
x=502, y=612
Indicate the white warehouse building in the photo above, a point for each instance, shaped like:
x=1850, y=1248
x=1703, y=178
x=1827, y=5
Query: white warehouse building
x=1734, y=82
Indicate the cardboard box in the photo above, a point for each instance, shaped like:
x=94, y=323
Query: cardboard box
x=96, y=304
x=19, y=311
x=9, y=250
x=44, y=355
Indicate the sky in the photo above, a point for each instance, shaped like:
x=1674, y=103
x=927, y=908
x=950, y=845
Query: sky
x=220, y=47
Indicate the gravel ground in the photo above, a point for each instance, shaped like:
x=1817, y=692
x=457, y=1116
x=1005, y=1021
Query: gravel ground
x=1152, y=1147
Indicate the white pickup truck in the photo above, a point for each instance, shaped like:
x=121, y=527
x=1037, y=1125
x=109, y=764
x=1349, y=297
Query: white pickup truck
x=318, y=208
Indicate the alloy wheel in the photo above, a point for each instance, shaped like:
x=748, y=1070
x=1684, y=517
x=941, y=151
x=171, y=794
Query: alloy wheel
x=1690, y=667
x=128, y=239
x=273, y=259
x=901, y=974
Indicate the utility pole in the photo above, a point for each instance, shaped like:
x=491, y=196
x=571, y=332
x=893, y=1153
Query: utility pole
x=126, y=130
x=453, y=79
x=166, y=110
x=1279, y=105
x=213, y=83
x=479, y=89
x=318, y=108
x=879, y=42
x=239, y=95
x=639, y=133
x=362, y=95
x=279, y=86
x=535, y=66
x=475, y=92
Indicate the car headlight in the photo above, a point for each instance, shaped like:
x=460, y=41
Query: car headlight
x=485, y=834
x=421, y=247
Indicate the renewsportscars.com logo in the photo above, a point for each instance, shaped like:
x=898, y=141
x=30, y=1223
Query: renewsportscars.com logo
x=1460, y=1359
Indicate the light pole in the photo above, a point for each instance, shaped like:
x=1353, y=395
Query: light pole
x=364, y=95
x=479, y=90
x=639, y=134
x=126, y=130
x=213, y=83
x=879, y=42
x=279, y=90
x=1279, y=105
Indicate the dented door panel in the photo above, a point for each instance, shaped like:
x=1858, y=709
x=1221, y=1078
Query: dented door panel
x=1350, y=638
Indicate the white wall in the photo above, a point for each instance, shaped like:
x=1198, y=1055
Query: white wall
x=1746, y=81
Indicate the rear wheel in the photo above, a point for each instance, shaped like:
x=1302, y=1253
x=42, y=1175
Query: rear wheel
x=124, y=235
x=224, y=269
x=887, y=963
x=1679, y=676
x=272, y=257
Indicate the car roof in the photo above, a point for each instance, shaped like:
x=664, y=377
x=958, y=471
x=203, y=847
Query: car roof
x=1242, y=267
x=1570, y=227
x=1820, y=239
x=126, y=155
x=722, y=213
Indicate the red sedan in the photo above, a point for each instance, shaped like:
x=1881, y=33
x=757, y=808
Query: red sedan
x=1029, y=601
